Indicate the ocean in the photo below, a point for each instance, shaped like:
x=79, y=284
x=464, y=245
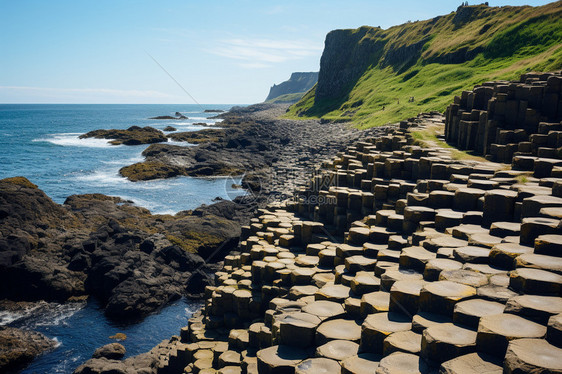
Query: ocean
x=40, y=142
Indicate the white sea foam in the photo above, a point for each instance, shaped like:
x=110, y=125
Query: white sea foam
x=102, y=178
x=123, y=162
x=73, y=140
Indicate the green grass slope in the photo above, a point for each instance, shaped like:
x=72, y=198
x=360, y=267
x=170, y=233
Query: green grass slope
x=434, y=59
x=287, y=98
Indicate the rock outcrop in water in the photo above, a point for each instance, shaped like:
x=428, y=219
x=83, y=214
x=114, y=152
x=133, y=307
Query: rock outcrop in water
x=134, y=262
x=134, y=135
x=178, y=116
x=19, y=347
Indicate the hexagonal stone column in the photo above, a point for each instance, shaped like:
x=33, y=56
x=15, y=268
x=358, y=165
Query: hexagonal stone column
x=446, y=341
x=469, y=312
x=402, y=341
x=550, y=245
x=324, y=309
x=338, y=350
x=280, y=359
x=435, y=266
x=338, y=329
x=375, y=302
x=363, y=363
x=532, y=356
x=401, y=362
x=378, y=326
x=441, y=297
x=496, y=331
x=404, y=297
x=472, y=363
x=499, y=205
x=535, y=281
x=318, y=366
x=298, y=329
x=554, y=330
x=534, y=307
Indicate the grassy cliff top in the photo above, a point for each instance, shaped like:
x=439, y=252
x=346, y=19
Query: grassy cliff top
x=429, y=60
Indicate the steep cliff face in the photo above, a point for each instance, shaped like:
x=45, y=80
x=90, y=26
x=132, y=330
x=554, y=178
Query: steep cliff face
x=298, y=83
x=373, y=76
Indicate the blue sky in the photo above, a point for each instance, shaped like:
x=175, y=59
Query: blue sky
x=219, y=51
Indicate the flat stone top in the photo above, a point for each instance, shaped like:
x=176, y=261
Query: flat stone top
x=471, y=191
x=338, y=349
x=551, y=238
x=535, y=352
x=281, y=355
x=378, y=298
x=324, y=308
x=318, y=365
x=399, y=274
x=360, y=260
x=467, y=277
x=401, y=362
x=537, y=274
x=366, y=277
x=543, y=262
x=449, y=289
x=541, y=221
x=479, y=307
x=364, y=363
x=341, y=329
x=545, y=199
x=512, y=226
x=443, y=264
x=418, y=252
x=472, y=363
x=511, y=326
x=449, y=333
x=408, y=286
x=472, y=251
x=335, y=290
x=405, y=340
x=512, y=248
x=388, y=322
x=417, y=208
x=549, y=304
x=501, y=192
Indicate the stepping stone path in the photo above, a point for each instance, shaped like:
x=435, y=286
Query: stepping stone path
x=411, y=261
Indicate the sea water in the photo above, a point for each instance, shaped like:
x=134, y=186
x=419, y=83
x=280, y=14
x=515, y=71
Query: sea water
x=41, y=143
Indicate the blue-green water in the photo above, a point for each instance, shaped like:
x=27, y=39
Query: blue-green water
x=41, y=143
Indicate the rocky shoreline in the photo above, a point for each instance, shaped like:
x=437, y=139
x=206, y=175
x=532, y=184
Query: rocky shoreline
x=134, y=262
x=398, y=255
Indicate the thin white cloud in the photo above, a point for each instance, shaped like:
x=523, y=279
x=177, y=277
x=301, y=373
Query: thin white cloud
x=95, y=91
x=265, y=52
x=277, y=9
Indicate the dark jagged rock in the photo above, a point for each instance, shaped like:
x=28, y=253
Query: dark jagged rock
x=178, y=115
x=19, y=347
x=134, y=135
x=112, y=351
x=170, y=128
x=103, y=246
x=196, y=137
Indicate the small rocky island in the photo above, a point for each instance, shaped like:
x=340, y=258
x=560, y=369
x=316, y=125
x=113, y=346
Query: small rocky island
x=178, y=116
x=134, y=135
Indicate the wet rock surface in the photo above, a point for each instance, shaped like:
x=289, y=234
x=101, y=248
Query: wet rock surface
x=132, y=261
x=19, y=347
x=134, y=135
